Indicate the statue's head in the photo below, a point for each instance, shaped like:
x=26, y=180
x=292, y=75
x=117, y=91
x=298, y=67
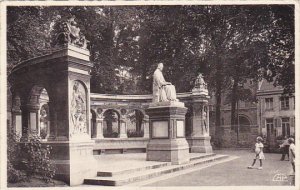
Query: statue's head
x=160, y=66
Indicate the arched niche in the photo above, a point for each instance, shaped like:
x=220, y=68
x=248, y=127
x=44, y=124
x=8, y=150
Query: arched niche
x=39, y=112
x=136, y=125
x=244, y=123
x=111, y=124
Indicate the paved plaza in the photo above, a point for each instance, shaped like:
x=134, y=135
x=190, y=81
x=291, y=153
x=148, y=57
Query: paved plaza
x=232, y=173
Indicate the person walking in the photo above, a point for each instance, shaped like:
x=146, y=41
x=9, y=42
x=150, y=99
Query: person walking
x=258, y=153
x=285, y=149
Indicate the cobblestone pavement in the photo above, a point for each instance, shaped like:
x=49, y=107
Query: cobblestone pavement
x=235, y=172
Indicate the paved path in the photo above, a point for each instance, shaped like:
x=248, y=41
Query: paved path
x=233, y=173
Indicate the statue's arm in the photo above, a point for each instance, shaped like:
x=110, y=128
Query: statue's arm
x=160, y=79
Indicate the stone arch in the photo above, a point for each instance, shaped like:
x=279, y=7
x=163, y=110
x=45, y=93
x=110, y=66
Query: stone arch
x=111, y=124
x=244, y=123
x=137, y=121
x=38, y=111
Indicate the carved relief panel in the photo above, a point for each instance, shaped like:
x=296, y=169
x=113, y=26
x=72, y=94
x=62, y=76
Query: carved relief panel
x=78, y=110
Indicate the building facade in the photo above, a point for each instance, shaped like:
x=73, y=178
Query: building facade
x=275, y=113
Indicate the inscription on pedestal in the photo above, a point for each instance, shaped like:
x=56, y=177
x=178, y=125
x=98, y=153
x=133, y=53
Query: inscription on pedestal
x=160, y=129
x=180, y=128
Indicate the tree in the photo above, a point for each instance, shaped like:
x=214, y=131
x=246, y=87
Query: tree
x=228, y=44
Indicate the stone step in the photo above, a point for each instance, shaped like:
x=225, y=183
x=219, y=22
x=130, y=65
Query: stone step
x=158, y=165
x=114, y=173
x=130, y=177
x=202, y=156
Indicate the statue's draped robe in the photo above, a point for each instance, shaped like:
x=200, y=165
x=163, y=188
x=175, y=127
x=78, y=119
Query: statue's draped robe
x=162, y=92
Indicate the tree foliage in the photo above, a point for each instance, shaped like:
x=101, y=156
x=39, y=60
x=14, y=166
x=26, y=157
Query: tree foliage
x=229, y=44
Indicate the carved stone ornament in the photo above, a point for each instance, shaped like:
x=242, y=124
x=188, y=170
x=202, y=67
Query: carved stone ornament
x=200, y=85
x=67, y=32
x=99, y=111
x=78, y=109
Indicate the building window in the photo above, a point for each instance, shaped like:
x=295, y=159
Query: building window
x=269, y=123
x=269, y=103
x=270, y=128
x=285, y=124
x=285, y=103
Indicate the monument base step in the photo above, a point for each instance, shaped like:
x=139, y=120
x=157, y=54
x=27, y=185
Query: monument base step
x=124, y=177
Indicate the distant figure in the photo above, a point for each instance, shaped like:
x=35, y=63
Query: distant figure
x=292, y=150
x=258, y=153
x=162, y=91
x=285, y=149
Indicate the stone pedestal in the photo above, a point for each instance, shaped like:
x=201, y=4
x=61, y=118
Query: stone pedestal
x=199, y=139
x=167, y=133
x=200, y=144
x=65, y=74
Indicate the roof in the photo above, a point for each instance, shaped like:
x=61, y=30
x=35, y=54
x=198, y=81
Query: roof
x=265, y=87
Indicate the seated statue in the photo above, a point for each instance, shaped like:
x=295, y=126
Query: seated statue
x=162, y=91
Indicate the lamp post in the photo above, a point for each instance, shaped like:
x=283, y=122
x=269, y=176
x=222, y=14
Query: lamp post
x=238, y=123
x=238, y=109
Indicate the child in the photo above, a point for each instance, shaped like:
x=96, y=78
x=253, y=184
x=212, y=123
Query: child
x=258, y=152
x=292, y=152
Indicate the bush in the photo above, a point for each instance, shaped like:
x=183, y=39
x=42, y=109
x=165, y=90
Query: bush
x=13, y=154
x=13, y=175
x=36, y=159
x=28, y=159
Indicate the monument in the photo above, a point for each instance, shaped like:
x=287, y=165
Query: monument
x=199, y=139
x=65, y=74
x=167, y=123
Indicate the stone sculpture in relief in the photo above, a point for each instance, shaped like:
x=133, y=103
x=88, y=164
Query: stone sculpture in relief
x=78, y=108
x=162, y=91
x=204, y=119
x=67, y=32
x=200, y=85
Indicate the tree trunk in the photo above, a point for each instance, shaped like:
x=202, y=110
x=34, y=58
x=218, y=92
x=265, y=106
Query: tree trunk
x=219, y=83
x=218, y=112
x=233, y=104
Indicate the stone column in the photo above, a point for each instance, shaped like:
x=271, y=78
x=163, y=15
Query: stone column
x=17, y=116
x=123, y=128
x=146, y=127
x=167, y=141
x=25, y=121
x=99, y=128
x=199, y=139
x=69, y=109
x=52, y=119
x=34, y=119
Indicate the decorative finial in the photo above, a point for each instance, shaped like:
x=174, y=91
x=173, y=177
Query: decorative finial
x=66, y=32
x=200, y=85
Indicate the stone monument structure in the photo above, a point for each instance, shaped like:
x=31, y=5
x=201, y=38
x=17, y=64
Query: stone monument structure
x=199, y=139
x=167, y=123
x=65, y=74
